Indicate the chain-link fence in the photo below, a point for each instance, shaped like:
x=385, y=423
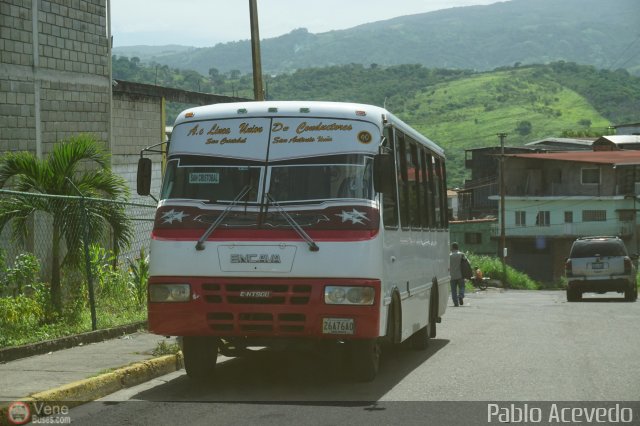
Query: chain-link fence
x=90, y=253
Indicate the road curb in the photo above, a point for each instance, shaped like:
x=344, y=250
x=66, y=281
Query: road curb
x=90, y=389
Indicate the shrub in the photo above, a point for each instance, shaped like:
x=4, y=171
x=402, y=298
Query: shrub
x=139, y=275
x=492, y=267
x=23, y=276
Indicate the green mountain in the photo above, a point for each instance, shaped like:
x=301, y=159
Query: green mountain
x=458, y=109
x=594, y=32
x=463, y=109
x=524, y=103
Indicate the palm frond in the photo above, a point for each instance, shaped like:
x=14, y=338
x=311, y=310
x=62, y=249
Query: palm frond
x=16, y=210
x=103, y=184
x=114, y=215
x=30, y=173
x=67, y=155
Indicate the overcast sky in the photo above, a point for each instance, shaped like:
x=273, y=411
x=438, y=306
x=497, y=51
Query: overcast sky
x=208, y=22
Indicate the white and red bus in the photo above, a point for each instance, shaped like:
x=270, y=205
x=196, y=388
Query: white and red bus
x=297, y=222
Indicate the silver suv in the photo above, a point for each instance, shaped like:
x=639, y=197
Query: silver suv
x=600, y=264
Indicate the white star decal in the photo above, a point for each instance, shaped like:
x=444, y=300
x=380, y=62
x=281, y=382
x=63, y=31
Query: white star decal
x=354, y=216
x=172, y=215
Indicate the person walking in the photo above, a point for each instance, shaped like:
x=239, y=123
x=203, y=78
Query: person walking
x=455, y=271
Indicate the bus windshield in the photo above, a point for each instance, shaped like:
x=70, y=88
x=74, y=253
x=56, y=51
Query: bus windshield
x=307, y=180
x=214, y=181
x=322, y=178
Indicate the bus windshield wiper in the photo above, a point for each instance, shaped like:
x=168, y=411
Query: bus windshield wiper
x=220, y=218
x=291, y=221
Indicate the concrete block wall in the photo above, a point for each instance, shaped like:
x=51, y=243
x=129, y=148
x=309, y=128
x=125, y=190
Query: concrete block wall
x=54, y=83
x=54, y=73
x=17, y=125
x=137, y=124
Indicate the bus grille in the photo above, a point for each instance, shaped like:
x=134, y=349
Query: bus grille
x=258, y=298
x=257, y=294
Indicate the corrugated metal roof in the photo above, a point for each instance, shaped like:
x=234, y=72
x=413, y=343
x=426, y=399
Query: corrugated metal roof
x=613, y=158
x=622, y=139
x=567, y=141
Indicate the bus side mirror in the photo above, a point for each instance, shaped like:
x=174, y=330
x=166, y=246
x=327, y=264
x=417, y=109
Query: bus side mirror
x=144, y=176
x=383, y=173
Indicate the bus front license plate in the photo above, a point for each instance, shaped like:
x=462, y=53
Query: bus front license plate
x=338, y=325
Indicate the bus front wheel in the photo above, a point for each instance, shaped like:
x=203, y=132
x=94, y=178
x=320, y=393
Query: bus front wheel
x=200, y=356
x=365, y=359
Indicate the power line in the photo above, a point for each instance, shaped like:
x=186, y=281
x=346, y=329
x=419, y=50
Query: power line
x=623, y=52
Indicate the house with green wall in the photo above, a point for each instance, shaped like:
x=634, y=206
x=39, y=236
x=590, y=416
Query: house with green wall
x=553, y=198
x=475, y=236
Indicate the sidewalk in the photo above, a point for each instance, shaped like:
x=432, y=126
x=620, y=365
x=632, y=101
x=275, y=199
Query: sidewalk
x=77, y=374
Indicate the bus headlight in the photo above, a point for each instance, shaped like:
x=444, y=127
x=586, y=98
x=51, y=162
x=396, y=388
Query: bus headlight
x=345, y=295
x=169, y=292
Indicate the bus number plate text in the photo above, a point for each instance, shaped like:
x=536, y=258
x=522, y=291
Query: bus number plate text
x=338, y=326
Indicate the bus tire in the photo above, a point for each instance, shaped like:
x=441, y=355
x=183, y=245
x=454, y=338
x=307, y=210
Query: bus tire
x=200, y=356
x=434, y=306
x=365, y=359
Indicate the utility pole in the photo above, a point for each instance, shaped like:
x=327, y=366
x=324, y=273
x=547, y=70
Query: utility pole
x=503, y=245
x=258, y=93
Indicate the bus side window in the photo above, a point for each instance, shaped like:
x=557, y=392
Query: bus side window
x=437, y=174
x=403, y=180
x=390, y=198
x=413, y=173
x=445, y=205
x=424, y=213
x=430, y=191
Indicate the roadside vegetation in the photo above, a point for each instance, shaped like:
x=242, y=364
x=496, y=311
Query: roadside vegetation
x=26, y=311
x=47, y=197
x=492, y=267
x=64, y=172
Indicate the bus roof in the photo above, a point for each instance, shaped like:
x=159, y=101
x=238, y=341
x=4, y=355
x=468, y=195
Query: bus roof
x=319, y=109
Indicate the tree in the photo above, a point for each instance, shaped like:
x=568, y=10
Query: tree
x=524, y=127
x=65, y=172
x=216, y=78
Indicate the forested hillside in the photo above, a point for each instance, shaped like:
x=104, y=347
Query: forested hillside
x=593, y=32
x=459, y=109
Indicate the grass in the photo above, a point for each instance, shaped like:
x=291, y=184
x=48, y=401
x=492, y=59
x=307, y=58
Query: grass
x=46, y=331
x=469, y=112
x=492, y=267
x=27, y=315
x=164, y=348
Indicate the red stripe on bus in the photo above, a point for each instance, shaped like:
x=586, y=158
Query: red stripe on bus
x=262, y=235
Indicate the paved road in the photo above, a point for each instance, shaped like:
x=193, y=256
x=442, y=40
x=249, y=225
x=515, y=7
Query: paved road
x=517, y=346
